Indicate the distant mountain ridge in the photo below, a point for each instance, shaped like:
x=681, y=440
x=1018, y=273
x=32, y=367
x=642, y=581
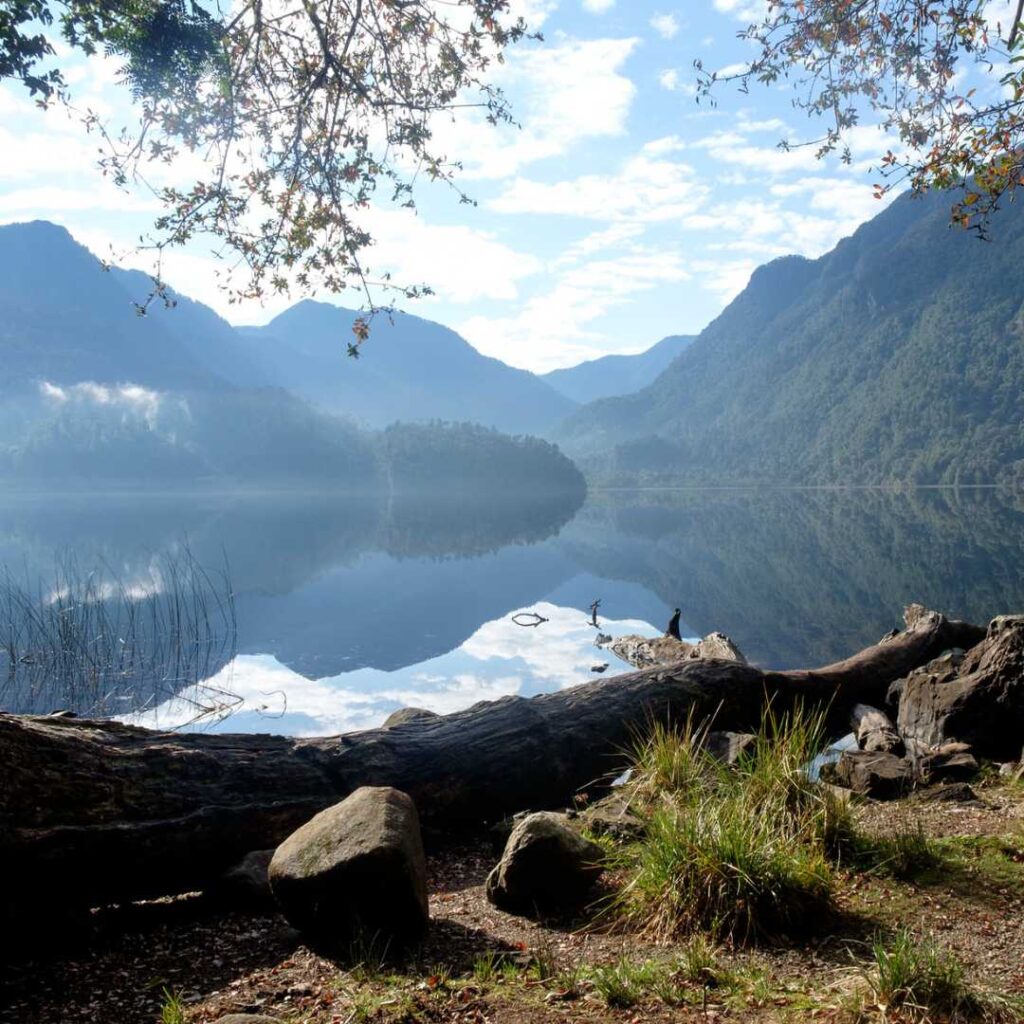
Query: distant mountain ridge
x=91, y=393
x=617, y=374
x=409, y=369
x=896, y=357
x=65, y=320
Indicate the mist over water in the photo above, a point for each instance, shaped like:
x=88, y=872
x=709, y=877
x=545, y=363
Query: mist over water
x=346, y=609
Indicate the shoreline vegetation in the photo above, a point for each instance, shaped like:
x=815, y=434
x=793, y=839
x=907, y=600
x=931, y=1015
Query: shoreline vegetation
x=732, y=883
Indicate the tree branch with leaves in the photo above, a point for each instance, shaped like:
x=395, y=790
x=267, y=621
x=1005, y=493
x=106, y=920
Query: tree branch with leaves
x=908, y=65
x=302, y=112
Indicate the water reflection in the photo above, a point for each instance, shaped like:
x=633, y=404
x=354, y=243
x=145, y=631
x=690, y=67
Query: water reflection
x=360, y=606
x=499, y=659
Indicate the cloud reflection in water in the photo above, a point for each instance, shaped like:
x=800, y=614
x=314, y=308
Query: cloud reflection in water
x=499, y=659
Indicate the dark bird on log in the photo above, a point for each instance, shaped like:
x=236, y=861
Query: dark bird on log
x=673, y=626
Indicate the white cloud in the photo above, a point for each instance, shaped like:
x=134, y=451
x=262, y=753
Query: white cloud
x=735, y=148
x=462, y=264
x=599, y=241
x=644, y=189
x=555, y=328
x=672, y=81
x=564, y=94
x=666, y=25
x=128, y=398
x=663, y=146
x=598, y=6
x=743, y=10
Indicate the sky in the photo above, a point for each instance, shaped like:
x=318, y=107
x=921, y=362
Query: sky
x=620, y=212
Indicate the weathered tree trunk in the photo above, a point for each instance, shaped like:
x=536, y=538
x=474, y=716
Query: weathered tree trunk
x=101, y=812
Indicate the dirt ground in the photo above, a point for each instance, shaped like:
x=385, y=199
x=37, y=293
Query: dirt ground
x=481, y=966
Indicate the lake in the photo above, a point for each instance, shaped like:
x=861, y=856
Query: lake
x=345, y=609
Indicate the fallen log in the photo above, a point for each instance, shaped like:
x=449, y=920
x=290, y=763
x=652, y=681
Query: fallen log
x=98, y=812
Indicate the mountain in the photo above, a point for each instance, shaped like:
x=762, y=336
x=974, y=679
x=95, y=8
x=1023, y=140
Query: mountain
x=409, y=369
x=616, y=375
x=64, y=320
x=897, y=357
x=93, y=394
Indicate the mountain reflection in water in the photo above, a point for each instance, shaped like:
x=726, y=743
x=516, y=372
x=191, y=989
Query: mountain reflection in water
x=351, y=608
x=500, y=659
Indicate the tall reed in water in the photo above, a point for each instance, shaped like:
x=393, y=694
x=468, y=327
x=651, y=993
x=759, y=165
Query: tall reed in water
x=98, y=643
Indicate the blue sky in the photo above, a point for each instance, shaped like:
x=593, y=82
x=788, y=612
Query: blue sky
x=620, y=212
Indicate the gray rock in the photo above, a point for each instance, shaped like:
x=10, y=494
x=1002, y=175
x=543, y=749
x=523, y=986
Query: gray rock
x=874, y=731
x=355, y=870
x=952, y=762
x=405, y=715
x=978, y=699
x=246, y=884
x=547, y=867
x=729, y=747
x=879, y=775
x=612, y=816
x=718, y=645
x=645, y=651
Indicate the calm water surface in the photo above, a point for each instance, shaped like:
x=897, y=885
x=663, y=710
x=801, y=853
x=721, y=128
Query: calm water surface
x=349, y=609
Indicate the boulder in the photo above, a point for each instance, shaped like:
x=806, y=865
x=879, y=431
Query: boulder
x=246, y=885
x=977, y=699
x=404, y=715
x=879, y=775
x=547, y=867
x=356, y=870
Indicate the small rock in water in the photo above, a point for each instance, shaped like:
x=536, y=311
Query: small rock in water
x=599, y=668
x=602, y=639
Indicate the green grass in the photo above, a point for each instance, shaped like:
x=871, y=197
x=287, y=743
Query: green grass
x=909, y=854
x=925, y=983
x=625, y=983
x=741, y=853
x=172, y=1011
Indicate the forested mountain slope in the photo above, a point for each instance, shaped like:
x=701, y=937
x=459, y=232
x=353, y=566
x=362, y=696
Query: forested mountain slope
x=898, y=356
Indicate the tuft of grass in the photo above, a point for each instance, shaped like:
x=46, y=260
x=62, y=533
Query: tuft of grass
x=742, y=852
x=172, y=1011
x=905, y=855
x=700, y=963
x=625, y=983
x=923, y=982
x=487, y=966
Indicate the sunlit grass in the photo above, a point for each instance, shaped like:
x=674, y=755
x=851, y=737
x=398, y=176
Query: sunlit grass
x=743, y=852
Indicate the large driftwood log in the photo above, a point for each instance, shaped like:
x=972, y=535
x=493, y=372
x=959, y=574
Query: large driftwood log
x=98, y=812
